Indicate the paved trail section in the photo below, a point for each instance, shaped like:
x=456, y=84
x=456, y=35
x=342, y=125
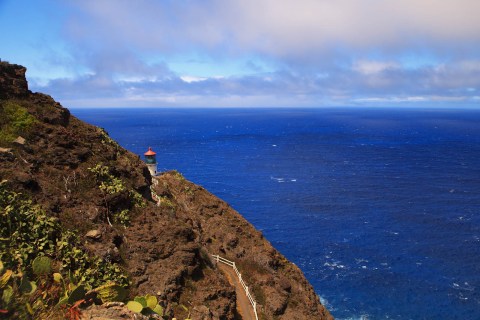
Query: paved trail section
x=244, y=306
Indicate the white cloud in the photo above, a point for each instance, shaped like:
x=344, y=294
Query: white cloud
x=369, y=67
x=190, y=79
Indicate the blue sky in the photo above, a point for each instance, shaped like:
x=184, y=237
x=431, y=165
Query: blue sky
x=247, y=53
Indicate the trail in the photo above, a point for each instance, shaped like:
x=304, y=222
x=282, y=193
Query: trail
x=244, y=308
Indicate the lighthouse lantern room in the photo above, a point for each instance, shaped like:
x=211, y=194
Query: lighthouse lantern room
x=151, y=161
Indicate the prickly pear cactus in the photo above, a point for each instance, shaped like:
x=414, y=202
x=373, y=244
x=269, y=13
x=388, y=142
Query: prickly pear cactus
x=42, y=265
x=158, y=310
x=146, y=305
x=27, y=286
x=135, y=306
x=141, y=300
x=111, y=292
x=151, y=301
x=77, y=294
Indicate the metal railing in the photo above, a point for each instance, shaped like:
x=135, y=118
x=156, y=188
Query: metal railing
x=245, y=287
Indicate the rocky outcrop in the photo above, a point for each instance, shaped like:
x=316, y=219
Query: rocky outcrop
x=166, y=249
x=13, y=83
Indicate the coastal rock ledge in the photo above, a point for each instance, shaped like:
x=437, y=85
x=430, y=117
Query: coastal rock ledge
x=103, y=193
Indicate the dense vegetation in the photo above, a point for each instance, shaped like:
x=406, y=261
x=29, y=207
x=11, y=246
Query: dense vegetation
x=27, y=233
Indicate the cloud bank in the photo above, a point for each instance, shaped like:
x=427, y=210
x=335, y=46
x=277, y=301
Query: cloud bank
x=299, y=53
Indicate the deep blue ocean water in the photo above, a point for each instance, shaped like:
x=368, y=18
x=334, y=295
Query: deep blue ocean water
x=379, y=208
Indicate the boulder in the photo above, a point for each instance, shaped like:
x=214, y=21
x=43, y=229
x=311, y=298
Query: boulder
x=94, y=234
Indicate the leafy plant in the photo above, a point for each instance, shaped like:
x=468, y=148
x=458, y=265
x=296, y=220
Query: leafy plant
x=137, y=199
x=91, y=271
x=25, y=230
x=147, y=304
x=108, y=183
x=16, y=292
x=122, y=217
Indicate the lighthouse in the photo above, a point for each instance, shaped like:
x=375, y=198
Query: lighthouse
x=151, y=161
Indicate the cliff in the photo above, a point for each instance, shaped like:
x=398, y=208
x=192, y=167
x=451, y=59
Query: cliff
x=100, y=195
x=12, y=81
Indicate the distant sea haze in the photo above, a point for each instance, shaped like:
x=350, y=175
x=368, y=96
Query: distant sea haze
x=379, y=208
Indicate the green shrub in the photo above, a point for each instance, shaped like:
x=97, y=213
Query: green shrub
x=166, y=202
x=122, y=217
x=177, y=175
x=137, y=199
x=14, y=120
x=106, y=138
x=110, y=185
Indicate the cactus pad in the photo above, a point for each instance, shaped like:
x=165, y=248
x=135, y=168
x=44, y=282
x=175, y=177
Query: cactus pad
x=135, y=306
x=42, y=265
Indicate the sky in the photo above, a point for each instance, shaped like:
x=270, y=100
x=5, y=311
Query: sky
x=247, y=53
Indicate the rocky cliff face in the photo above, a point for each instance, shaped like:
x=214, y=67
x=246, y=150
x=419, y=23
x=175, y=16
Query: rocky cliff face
x=62, y=164
x=12, y=80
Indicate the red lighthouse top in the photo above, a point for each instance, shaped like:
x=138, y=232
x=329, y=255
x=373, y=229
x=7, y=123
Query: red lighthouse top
x=150, y=152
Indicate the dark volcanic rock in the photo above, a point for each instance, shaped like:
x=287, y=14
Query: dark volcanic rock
x=49, y=111
x=13, y=83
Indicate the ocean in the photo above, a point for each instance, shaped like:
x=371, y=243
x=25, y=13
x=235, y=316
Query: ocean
x=380, y=208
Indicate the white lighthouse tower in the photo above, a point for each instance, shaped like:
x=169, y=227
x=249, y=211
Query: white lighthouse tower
x=151, y=161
